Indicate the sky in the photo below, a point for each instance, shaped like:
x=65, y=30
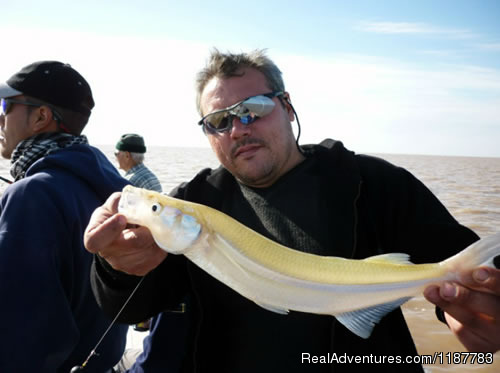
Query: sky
x=410, y=77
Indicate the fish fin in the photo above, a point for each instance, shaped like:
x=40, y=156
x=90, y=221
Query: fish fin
x=361, y=322
x=394, y=258
x=281, y=311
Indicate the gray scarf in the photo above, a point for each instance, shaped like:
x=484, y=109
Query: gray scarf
x=33, y=148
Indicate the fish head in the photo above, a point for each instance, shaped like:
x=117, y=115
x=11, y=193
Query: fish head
x=172, y=229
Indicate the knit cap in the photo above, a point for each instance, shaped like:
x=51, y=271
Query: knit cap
x=131, y=142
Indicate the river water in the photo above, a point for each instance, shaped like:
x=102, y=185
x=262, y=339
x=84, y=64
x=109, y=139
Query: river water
x=469, y=187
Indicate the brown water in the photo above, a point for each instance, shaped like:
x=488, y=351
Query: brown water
x=469, y=187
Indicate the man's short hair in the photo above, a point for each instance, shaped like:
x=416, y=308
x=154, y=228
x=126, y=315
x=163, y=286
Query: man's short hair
x=226, y=65
x=137, y=157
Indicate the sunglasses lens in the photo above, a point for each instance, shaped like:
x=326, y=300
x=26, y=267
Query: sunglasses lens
x=258, y=106
x=248, y=111
x=4, y=107
x=217, y=121
x=249, y=118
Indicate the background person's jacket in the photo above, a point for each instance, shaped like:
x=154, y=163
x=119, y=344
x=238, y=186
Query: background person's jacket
x=49, y=319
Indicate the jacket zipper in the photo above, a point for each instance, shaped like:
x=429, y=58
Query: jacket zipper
x=355, y=242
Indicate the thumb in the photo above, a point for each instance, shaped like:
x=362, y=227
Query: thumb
x=98, y=236
x=105, y=225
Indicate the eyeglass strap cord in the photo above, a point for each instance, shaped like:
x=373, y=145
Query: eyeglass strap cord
x=298, y=124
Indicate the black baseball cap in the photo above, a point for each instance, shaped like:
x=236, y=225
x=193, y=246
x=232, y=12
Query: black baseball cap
x=53, y=82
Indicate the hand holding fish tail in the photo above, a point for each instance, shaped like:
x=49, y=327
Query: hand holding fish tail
x=472, y=308
x=128, y=249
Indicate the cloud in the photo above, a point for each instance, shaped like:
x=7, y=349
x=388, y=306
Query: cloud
x=373, y=104
x=413, y=28
x=385, y=106
x=440, y=53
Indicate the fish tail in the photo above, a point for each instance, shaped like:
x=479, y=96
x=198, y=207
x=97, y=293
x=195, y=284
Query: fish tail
x=480, y=253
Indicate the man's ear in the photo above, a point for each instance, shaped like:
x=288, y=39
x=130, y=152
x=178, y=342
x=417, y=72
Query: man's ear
x=288, y=106
x=43, y=120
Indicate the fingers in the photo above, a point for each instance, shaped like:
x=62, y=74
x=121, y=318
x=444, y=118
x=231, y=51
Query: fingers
x=104, y=226
x=98, y=236
x=478, y=291
x=134, y=252
x=130, y=250
x=472, y=339
x=469, y=306
x=484, y=279
x=472, y=315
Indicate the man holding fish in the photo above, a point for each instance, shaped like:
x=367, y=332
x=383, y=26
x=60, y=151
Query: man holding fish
x=320, y=200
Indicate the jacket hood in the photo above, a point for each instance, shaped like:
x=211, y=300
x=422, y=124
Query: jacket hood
x=87, y=163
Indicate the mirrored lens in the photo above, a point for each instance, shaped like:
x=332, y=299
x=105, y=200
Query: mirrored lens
x=223, y=121
x=218, y=120
x=248, y=111
x=4, y=106
x=249, y=118
x=257, y=106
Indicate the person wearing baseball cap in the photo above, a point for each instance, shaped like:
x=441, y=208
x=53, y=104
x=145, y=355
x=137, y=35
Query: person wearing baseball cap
x=48, y=310
x=129, y=153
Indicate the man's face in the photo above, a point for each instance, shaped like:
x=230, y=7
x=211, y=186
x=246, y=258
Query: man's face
x=124, y=160
x=14, y=127
x=257, y=154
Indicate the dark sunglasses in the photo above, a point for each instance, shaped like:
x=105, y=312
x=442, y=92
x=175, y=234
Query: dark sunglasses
x=6, y=104
x=247, y=110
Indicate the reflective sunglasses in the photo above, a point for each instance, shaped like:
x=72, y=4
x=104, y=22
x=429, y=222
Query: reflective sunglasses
x=6, y=104
x=248, y=111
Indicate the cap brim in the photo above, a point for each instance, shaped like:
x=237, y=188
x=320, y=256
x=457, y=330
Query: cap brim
x=7, y=91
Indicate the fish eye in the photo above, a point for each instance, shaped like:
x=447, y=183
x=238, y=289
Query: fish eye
x=156, y=208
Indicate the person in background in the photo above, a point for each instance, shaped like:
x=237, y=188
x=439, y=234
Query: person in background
x=321, y=199
x=50, y=319
x=129, y=153
x=130, y=150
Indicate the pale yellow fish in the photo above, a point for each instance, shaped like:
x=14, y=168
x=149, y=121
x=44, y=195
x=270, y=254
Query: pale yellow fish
x=357, y=292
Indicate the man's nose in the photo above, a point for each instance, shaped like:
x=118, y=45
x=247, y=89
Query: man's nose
x=239, y=129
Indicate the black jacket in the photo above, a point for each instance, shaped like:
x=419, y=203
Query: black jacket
x=335, y=203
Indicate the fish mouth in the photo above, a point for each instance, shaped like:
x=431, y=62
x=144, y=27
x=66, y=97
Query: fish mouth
x=128, y=204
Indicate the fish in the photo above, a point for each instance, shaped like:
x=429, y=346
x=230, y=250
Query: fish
x=357, y=292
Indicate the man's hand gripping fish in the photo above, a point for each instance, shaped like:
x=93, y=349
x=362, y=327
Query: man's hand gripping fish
x=357, y=292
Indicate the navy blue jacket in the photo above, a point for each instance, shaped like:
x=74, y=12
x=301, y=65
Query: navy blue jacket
x=49, y=319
